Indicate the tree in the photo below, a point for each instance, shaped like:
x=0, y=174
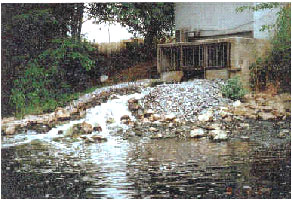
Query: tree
x=27, y=31
x=151, y=20
x=276, y=67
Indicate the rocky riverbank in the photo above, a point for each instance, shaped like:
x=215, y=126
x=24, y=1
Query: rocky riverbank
x=197, y=109
x=75, y=110
x=190, y=109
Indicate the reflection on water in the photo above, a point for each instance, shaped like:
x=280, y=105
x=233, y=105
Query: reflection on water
x=55, y=166
x=147, y=169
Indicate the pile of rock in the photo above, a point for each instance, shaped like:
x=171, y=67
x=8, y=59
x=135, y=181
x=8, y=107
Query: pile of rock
x=76, y=110
x=157, y=126
x=85, y=131
x=197, y=109
x=262, y=107
x=186, y=100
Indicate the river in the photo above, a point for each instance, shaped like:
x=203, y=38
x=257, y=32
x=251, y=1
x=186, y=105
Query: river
x=53, y=165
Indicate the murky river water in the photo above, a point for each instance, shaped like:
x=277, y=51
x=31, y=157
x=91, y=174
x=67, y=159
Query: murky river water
x=56, y=166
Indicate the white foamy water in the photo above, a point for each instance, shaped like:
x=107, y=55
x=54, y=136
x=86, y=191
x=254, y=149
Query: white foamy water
x=112, y=110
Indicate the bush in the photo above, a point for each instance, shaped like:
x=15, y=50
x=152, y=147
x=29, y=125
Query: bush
x=233, y=89
x=276, y=67
x=51, y=78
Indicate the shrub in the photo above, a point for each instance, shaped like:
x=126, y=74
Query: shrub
x=50, y=79
x=233, y=89
x=276, y=67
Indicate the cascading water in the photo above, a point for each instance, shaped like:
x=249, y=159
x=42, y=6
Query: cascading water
x=99, y=115
x=56, y=165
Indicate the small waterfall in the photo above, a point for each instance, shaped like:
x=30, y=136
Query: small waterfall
x=113, y=109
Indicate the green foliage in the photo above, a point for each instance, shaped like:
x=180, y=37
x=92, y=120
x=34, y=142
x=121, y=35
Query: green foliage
x=276, y=67
x=50, y=78
x=152, y=20
x=282, y=39
x=259, y=6
x=233, y=89
x=27, y=31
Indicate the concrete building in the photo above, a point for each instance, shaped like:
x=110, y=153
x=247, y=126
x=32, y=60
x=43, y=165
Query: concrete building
x=213, y=40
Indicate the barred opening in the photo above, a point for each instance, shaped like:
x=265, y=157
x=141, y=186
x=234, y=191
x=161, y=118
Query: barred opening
x=194, y=57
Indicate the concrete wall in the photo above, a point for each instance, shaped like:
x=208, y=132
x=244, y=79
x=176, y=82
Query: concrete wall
x=264, y=17
x=244, y=52
x=214, y=74
x=221, y=18
x=213, y=18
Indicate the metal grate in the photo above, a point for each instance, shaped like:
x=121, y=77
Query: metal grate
x=217, y=55
x=194, y=57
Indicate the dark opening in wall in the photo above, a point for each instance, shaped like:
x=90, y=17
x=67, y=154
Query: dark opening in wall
x=190, y=57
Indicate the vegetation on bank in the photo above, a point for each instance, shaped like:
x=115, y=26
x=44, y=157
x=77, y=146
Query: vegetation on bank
x=45, y=60
x=233, y=89
x=275, y=68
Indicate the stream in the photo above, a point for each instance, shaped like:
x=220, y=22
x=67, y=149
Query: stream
x=54, y=165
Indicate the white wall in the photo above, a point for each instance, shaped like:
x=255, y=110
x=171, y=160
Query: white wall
x=213, y=18
x=216, y=18
x=264, y=17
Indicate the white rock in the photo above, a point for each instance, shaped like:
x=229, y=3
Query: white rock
x=214, y=126
x=62, y=114
x=149, y=112
x=266, y=116
x=224, y=114
x=208, y=116
x=156, y=117
x=196, y=133
x=236, y=103
x=218, y=135
x=152, y=129
x=244, y=125
x=10, y=130
x=169, y=117
x=284, y=133
x=244, y=138
x=103, y=78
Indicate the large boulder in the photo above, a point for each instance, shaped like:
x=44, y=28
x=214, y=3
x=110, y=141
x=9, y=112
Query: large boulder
x=9, y=130
x=79, y=129
x=218, y=135
x=169, y=117
x=86, y=128
x=284, y=133
x=62, y=114
x=125, y=119
x=267, y=116
x=133, y=104
x=208, y=116
x=156, y=117
x=197, y=133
